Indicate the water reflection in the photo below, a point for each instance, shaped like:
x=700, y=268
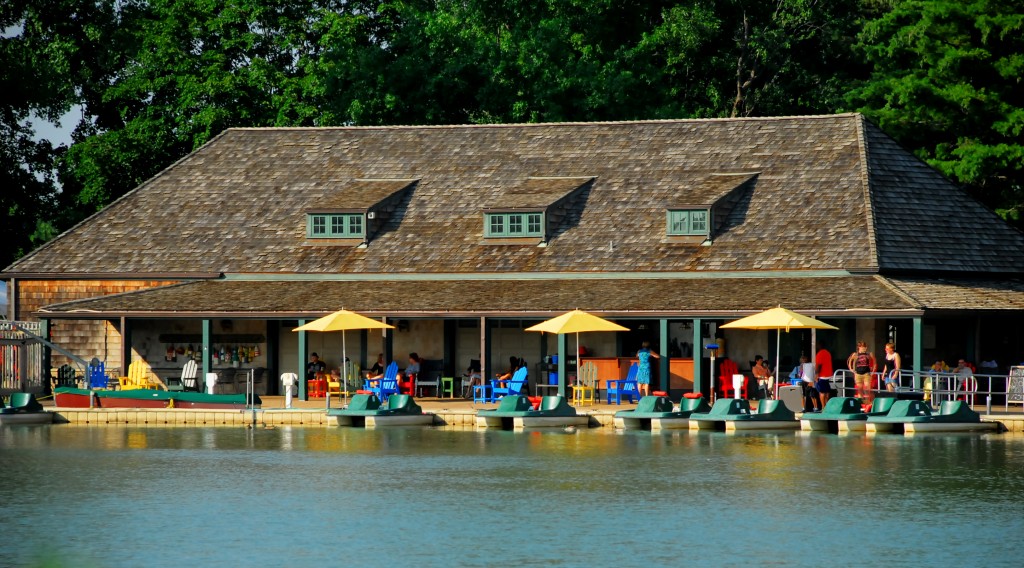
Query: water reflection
x=308, y=496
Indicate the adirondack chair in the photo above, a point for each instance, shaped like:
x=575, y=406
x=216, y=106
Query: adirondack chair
x=386, y=385
x=585, y=389
x=513, y=386
x=138, y=378
x=66, y=377
x=97, y=375
x=624, y=387
x=187, y=381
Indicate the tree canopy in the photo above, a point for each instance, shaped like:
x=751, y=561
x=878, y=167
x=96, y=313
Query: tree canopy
x=156, y=79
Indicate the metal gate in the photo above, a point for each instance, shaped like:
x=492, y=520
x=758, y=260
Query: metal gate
x=21, y=358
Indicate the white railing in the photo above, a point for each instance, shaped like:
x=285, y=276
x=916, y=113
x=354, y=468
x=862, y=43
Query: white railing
x=935, y=387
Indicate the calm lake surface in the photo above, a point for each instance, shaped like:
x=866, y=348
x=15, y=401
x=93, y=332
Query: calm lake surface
x=291, y=496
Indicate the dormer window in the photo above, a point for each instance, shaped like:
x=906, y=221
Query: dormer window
x=511, y=225
x=335, y=226
x=687, y=222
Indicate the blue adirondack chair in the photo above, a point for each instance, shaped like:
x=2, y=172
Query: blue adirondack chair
x=514, y=386
x=624, y=387
x=97, y=375
x=388, y=385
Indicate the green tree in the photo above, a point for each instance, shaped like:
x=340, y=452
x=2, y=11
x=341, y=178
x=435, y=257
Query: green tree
x=946, y=82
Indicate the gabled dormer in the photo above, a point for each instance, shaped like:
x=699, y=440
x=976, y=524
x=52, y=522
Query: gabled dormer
x=529, y=213
x=696, y=214
x=355, y=213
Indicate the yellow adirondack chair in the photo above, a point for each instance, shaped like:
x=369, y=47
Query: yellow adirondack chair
x=138, y=378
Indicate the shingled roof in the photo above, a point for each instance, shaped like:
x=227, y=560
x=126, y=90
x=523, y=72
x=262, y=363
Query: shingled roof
x=830, y=193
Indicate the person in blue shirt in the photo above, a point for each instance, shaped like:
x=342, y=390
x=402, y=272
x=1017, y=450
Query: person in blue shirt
x=643, y=370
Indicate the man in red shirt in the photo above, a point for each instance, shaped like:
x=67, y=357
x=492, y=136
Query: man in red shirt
x=823, y=368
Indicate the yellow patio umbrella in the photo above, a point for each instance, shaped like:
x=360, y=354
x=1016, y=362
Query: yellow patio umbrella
x=778, y=319
x=343, y=320
x=576, y=321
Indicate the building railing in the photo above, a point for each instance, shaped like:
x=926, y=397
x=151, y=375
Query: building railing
x=21, y=359
x=977, y=389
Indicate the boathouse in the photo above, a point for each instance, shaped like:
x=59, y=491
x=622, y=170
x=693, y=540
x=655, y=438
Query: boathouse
x=462, y=236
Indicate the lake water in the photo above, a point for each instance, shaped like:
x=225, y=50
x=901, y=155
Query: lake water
x=291, y=496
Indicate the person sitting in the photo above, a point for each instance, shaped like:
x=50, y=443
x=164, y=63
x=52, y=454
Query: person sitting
x=377, y=370
x=314, y=367
x=407, y=378
x=514, y=363
x=761, y=373
x=939, y=366
x=472, y=377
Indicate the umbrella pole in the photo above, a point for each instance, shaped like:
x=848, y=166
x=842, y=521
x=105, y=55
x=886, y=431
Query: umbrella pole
x=778, y=341
x=344, y=370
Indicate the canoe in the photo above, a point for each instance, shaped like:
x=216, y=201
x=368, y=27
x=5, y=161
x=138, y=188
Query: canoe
x=913, y=416
x=68, y=397
x=657, y=413
x=367, y=411
x=734, y=414
x=517, y=413
x=24, y=409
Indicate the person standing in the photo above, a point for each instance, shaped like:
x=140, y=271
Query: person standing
x=862, y=363
x=643, y=369
x=823, y=366
x=891, y=368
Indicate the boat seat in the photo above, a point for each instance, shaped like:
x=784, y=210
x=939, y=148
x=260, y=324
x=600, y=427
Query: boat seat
x=25, y=401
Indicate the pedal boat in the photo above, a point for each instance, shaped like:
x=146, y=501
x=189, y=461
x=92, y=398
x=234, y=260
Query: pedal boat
x=517, y=413
x=657, y=413
x=844, y=414
x=914, y=416
x=731, y=414
x=367, y=411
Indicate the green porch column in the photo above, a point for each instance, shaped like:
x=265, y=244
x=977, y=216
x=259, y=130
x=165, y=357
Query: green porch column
x=562, y=377
x=698, y=362
x=664, y=380
x=303, y=395
x=126, y=346
x=44, y=332
x=207, y=348
x=917, y=353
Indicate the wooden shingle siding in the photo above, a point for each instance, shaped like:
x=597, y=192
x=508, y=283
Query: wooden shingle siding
x=86, y=338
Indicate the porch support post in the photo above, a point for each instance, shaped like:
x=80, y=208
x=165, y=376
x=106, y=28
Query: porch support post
x=126, y=346
x=44, y=332
x=562, y=377
x=207, y=348
x=485, y=345
x=917, y=353
x=664, y=379
x=698, y=361
x=303, y=345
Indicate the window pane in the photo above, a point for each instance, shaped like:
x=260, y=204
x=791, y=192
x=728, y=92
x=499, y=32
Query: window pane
x=533, y=224
x=497, y=225
x=318, y=224
x=337, y=225
x=678, y=222
x=698, y=222
x=355, y=225
x=515, y=224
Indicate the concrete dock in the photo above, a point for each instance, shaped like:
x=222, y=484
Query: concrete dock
x=449, y=412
